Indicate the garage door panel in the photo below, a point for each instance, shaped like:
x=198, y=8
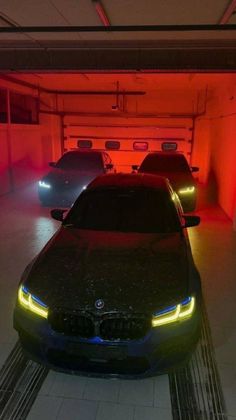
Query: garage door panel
x=153, y=134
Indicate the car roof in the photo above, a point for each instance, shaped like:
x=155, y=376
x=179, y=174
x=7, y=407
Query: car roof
x=84, y=151
x=130, y=180
x=175, y=154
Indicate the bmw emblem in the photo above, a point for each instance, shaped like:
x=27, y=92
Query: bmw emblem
x=99, y=304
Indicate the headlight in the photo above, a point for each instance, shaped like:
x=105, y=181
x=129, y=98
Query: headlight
x=175, y=313
x=31, y=302
x=187, y=190
x=44, y=184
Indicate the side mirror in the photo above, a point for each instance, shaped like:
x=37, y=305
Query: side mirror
x=135, y=167
x=53, y=164
x=57, y=214
x=191, y=221
x=194, y=169
x=109, y=166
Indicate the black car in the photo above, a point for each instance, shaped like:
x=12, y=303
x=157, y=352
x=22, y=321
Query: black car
x=115, y=291
x=71, y=175
x=175, y=167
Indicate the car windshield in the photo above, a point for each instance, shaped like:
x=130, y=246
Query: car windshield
x=124, y=210
x=80, y=161
x=164, y=163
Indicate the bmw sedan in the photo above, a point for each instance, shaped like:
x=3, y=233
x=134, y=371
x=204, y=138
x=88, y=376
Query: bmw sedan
x=115, y=291
x=175, y=167
x=71, y=175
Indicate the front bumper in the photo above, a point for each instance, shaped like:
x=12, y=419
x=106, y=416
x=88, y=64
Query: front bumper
x=53, y=197
x=188, y=202
x=161, y=350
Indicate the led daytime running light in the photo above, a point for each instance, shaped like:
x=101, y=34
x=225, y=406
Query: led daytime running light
x=31, y=303
x=184, y=313
x=187, y=190
x=179, y=312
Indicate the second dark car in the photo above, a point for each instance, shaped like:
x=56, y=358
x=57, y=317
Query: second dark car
x=175, y=167
x=71, y=175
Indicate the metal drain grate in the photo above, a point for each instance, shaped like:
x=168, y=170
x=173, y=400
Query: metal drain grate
x=196, y=392
x=20, y=381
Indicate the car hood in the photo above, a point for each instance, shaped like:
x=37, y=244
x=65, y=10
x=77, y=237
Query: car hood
x=130, y=272
x=59, y=177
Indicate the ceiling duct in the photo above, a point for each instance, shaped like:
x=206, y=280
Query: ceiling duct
x=101, y=12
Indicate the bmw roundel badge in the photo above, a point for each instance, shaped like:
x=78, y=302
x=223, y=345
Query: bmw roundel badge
x=99, y=304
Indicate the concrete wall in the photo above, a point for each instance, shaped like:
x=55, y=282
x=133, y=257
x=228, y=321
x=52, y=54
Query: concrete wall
x=223, y=153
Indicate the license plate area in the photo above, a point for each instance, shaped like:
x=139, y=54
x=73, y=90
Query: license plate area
x=97, y=352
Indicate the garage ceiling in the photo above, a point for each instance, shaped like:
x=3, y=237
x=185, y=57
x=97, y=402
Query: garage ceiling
x=119, y=12
x=117, y=34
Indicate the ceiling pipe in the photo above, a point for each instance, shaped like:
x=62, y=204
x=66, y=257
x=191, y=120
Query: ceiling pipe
x=18, y=82
x=154, y=126
x=121, y=115
x=160, y=138
x=118, y=28
x=228, y=12
x=101, y=13
x=95, y=92
x=70, y=92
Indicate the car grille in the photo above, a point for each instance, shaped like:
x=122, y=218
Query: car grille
x=107, y=327
x=71, y=324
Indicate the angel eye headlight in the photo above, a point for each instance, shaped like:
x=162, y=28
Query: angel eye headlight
x=44, y=184
x=31, y=302
x=187, y=190
x=174, y=313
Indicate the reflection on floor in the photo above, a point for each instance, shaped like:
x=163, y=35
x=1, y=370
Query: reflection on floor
x=25, y=228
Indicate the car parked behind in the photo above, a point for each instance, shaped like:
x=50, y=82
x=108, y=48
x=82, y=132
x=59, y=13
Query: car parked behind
x=71, y=175
x=175, y=167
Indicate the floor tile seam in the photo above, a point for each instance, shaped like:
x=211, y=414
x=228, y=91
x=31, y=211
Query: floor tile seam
x=156, y=386
x=85, y=385
x=77, y=398
x=116, y=401
x=97, y=410
x=59, y=408
x=104, y=401
x=66, y=399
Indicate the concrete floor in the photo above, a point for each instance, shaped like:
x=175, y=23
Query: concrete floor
x=26, y=227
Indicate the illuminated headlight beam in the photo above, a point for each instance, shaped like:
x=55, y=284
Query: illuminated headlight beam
x=44, y=184
x=175, y=313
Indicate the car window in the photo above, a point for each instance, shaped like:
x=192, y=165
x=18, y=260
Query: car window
x=164, y=163
x=80, y=161
x=125, y=210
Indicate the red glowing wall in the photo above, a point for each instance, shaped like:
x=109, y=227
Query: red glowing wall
x=26, y=150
